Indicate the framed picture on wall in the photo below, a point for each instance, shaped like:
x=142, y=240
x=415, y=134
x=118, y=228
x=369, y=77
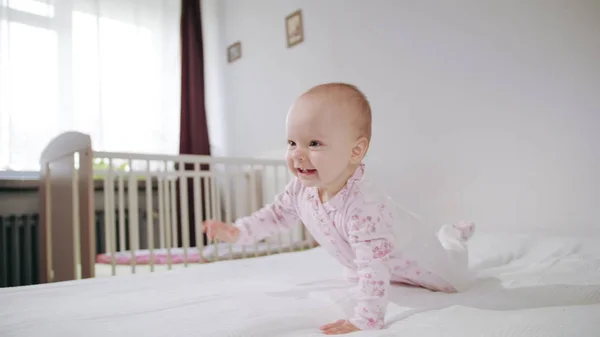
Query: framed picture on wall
x=234, y=52
x=294, y=29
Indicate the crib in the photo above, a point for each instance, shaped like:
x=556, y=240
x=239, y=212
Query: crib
x=107, y=213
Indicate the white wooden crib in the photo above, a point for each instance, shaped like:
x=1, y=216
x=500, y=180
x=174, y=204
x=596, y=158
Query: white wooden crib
x=140, y=199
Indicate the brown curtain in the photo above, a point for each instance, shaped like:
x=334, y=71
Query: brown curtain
x=193, y=137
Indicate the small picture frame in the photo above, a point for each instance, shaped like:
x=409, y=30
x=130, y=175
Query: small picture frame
x=294, y=28
x=234, y=52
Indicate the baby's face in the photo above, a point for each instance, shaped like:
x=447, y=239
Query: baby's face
x=320, y=144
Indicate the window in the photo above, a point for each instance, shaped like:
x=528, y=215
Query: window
x=108, y=68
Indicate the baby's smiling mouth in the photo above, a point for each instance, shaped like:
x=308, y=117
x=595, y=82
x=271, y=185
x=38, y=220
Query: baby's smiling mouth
x=306, y=171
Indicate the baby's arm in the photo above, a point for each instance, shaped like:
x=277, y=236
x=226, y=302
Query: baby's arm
x=268, y=220
x=371, y=236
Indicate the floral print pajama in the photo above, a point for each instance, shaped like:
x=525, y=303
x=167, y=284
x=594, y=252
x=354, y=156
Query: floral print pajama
x=376, y=242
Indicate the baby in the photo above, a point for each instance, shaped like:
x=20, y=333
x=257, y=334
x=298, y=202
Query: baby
x=329, y=131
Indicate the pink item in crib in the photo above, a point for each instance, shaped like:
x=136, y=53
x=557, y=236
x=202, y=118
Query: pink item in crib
x=142, y=257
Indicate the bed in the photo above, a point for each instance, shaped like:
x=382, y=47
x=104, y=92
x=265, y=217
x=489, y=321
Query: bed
x=284, y=286
x=528, y=286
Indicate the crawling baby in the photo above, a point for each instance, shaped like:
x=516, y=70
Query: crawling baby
x=379, y=244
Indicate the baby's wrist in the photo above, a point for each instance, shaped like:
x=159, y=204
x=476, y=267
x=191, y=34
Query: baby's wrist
x=235, y=234
x=364, y=323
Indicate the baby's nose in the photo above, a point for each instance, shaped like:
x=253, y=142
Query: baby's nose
x=299, y=154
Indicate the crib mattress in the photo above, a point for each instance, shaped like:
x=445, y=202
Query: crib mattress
x=528, y=286
x=209, y=253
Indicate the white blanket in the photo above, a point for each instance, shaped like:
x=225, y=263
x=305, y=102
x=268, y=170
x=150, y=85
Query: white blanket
x=529, y=287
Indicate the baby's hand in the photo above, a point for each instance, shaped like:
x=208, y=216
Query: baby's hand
x=338, y=328
x=220, y=230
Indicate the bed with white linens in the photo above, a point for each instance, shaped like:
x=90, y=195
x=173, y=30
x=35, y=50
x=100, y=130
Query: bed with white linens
x=528, y=286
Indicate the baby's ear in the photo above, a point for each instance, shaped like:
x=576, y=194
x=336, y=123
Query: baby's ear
x=359, y=150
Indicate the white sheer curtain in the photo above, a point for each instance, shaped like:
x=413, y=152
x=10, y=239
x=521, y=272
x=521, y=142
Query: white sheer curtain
x=109, y=68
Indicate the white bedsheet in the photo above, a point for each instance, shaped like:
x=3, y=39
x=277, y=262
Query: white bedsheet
x=529, y=287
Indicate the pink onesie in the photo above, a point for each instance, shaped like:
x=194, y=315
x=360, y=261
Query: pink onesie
x=372, y=238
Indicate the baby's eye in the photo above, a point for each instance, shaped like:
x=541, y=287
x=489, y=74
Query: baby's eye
x=314, y=143
x=291, y=143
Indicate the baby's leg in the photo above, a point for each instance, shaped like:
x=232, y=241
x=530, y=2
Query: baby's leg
x=408, y=271
x=465, y=230
x=438, y=263
x=453, y=239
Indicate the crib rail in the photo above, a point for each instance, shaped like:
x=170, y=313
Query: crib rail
x=172, y=194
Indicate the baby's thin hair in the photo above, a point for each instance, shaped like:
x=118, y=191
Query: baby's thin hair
x=352, y=95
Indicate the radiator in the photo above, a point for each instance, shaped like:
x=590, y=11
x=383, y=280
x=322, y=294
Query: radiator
x=19, y=245
x=19, y=250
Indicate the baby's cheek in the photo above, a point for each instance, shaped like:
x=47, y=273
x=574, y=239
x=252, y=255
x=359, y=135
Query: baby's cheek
x=290, y=165
x=328, y=166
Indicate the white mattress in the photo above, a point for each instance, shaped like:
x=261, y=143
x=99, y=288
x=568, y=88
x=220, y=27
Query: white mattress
x=529, y=287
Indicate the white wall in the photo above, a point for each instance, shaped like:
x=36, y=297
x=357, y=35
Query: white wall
x=483, y=110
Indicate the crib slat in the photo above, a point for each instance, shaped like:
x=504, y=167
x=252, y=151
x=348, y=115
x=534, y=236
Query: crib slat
x=185, y=229
x=106, y=215
x=240, y=177
x=262, y=174
x=173, y=212
x=227, y=199
x=294, y=228
x=168, y=239
x=272, y=191
x=198, y=216
x=173, y=198
x=133, y=217
x=122, y=234
x=161, y=212
x=149, y=218
x=208, y=203
x=76, y=263
x=207, y=198
x=216, y=214
x=112, y=224
x=47, y=265
x=168, y=242
x=277, y=190
x=253, y=201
